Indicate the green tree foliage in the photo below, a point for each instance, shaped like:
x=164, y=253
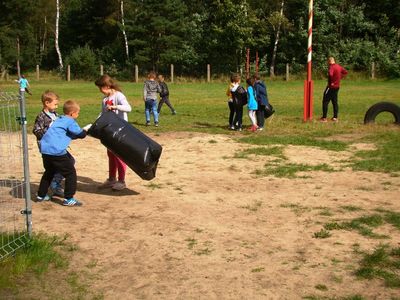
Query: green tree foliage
x=83, y=63
x=191, y=34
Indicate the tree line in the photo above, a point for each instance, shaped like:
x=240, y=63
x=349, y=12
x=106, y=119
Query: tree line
x=191, y=34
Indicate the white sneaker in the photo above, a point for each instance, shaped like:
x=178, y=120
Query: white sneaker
x=119, y=186
x=108, y=183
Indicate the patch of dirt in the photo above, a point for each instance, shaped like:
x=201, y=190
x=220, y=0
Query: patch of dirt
x=207, y=228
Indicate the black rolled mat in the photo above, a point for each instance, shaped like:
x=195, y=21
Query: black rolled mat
x=136, y=149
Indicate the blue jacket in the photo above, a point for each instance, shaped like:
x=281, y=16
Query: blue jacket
x=261, y=92
x=59, y=135
x=251, y=99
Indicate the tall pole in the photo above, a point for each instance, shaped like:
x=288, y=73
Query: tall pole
x=309, y=84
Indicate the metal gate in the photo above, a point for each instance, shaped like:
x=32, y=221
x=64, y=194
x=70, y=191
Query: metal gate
x=15, y=202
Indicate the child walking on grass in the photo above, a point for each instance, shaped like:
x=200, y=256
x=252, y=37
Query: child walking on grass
x=164, y=95
x=55, y=156
x=116, y=102
x=43, y=122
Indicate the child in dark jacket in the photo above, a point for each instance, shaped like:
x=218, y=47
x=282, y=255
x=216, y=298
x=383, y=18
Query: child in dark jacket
x=164, y=95
x=262, y=100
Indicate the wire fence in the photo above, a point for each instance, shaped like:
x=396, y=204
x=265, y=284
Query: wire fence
x=15, y=203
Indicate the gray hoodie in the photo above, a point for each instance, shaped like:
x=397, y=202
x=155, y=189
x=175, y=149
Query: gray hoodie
x=151, y=89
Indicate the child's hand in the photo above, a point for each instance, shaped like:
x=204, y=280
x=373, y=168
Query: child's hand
x=87, y=127
x=111, y=107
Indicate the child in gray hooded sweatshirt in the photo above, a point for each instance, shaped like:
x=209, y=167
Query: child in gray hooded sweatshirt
x=150, y=92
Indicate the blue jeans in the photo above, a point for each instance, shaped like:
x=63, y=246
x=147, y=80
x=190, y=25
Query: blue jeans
x=150, y=105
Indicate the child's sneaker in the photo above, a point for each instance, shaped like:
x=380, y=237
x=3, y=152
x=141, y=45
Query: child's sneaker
x=147, y=123
x=119, y=186
x=174, y=112
x=108, y=183
x=334, y=119
x=156, y=124
x=323, y=120
x=45, y=198
x=71, y=202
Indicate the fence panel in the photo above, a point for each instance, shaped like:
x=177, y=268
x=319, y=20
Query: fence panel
x=15, y=205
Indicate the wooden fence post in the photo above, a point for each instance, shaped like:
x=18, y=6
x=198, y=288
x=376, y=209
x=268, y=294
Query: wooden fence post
x=101, y=70
x=208, y=73
x=287, y=72
x=37, y=72
x=136, y=73
x=172, y=73
x=68, y=73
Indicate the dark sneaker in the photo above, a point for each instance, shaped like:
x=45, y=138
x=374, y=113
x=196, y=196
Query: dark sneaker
x=45, y=198
x=156, y=124
x=147, y=123
x=71, y=202
x=174, y=112
x=323, y=120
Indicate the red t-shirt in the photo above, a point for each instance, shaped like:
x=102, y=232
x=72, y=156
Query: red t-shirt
x=335, y=73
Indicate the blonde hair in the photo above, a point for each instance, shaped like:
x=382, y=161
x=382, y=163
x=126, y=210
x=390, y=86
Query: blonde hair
x=70, y=106
x=49, y=96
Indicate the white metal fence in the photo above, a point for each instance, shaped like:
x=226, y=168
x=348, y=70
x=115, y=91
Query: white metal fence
x=15, y=202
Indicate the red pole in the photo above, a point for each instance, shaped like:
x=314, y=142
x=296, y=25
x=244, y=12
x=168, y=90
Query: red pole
x=247, y=62
x=309, y=84
x=257, y=62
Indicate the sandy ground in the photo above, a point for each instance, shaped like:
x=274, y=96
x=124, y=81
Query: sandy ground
x=208, y=228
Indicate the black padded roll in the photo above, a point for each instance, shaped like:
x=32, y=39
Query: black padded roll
x=132, y=146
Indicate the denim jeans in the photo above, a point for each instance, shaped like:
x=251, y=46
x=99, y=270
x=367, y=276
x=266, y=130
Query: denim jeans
x=150, y=105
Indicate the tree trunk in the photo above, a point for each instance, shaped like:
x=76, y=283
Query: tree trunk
x=123, y=31
x=277, y=33
x=60, y=62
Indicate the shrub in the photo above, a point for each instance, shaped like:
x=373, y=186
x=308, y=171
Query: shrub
x=83, y=63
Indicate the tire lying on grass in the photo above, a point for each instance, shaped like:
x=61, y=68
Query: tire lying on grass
x=379, y=107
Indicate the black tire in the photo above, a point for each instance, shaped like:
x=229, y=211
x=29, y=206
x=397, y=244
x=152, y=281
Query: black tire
x=379, y=107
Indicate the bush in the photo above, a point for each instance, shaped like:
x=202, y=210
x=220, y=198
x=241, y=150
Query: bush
x=83, y=63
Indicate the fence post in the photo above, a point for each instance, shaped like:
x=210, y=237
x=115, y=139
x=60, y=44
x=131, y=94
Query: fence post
x=101, y=70
x=373, y=70
x=136, y=73
x=172, y=73
x=68, y=73
x=208, y=73
x=37, y=72
x=287, y=72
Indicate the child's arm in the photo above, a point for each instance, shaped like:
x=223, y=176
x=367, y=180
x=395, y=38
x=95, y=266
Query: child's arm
x=122, y=103
x=39, y=128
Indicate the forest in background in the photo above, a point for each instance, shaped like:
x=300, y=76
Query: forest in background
x=191, y=34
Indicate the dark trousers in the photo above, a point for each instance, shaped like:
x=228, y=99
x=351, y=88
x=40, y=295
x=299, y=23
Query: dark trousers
x=238, y=117
x=330, y=95
x=63, y=164
x=231, y=113
x=166, y=101
x=260, y=115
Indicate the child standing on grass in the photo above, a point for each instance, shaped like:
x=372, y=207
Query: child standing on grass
x=239, y=99
x=150, y=91
x=116, y=102
x=55, y=156
x=42, y=123
x=251, y=103
x=231, y=105
x=164, y=95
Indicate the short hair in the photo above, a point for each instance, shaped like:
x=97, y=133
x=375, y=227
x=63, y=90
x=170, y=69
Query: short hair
x=160, y=76
x=152, y=75
x=70, y=106
x=106, y=81
x=256, y=77
x=49, y=96
x=235, y=78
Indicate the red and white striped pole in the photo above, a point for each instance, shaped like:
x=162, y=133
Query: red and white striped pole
x=309, y=84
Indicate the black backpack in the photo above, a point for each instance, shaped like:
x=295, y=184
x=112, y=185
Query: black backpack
x=240, y=96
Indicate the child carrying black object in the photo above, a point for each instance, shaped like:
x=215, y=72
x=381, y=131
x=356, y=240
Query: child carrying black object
x=132, y=146
x=55, y=156
x=239, y=97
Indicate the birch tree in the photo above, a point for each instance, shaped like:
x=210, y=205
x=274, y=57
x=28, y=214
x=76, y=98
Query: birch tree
x=277, y=20
x=60, y=61
x=123, y=30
